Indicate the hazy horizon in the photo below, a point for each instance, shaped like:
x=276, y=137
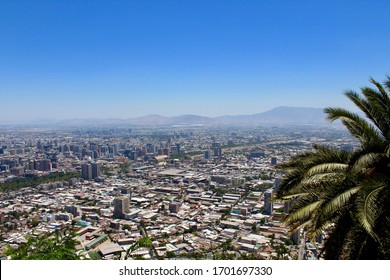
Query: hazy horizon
x=147, y=115
x=124, y=59
x=282, y=115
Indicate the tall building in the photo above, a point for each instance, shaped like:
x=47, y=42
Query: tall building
x=95, y=154
x=95, y=170
x=86, y=171
x=217, y=152
x=74, y=210
x=113, y=149
x=121, y=206
x=207, y=154
x=44, y=165
x=277, y=183
x=39, y=145
x=65, y=149
x=273, y=161
x=150, y=148
x=268, y=204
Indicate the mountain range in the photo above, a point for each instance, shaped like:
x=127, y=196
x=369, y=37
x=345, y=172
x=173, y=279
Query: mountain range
x=278, y=116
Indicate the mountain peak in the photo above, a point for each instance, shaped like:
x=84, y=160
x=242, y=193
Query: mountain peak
x=282, y=115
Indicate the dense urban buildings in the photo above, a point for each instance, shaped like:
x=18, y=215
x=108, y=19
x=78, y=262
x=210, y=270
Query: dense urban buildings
x=193, y=192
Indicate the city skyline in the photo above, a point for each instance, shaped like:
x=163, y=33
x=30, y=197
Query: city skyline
x=124, y=59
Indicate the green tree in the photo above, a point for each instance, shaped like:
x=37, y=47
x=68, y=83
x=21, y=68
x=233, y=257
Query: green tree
x=227, y=245
x=34, y=223
x=144, y=242
x=224, y=256
x=126, y=227
x=59, y=245
x=346, y=193
x=18, y=183
x=171, y=254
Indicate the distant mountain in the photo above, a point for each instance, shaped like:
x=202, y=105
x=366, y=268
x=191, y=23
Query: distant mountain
x=298, y=115
x=149, y=120
x=278, y=116
x=191, y=119
x=177, y=120
x=91, y=122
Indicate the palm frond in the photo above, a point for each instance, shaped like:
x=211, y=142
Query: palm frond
x=337, y=202
x=297, y=226
x=352, y=189
x=368, y=208
x=373, y=106
x=384, y=94
x=295, y=195
x=386, y=84
x=327, y=168
x=365, y=161
x=357, y=126
x=302, y=212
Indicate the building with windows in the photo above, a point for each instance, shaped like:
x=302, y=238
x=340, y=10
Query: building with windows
x=86, y=171
x=95, y=170
x=268, y=204
x=121, y=206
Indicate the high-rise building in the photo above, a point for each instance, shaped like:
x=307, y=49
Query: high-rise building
x=44, y=165
x=65, y=148
x=95, y=170
x=277, y=183
x=113, y=149
x=273, y=161
x=207, y=154
x=95, y=154
x=84, y=152
x=217, y=152
x=150, y=148
x=74, y=210
x=268, y=204
x=121, y=206
x=39, y=145
x=86, y=171
x=75, y=148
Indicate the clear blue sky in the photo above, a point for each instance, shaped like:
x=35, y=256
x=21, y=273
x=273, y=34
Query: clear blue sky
x=91, y=58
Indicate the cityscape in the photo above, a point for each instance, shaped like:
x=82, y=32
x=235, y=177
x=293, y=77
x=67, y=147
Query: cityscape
x=193, y=192
x=194, y=130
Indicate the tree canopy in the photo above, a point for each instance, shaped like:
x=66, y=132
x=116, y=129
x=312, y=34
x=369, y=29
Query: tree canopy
x=346, y=193
x=59, y=245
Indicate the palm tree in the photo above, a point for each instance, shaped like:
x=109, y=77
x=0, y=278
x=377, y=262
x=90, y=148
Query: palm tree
x=346, y=193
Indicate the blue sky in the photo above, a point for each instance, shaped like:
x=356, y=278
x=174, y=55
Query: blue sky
x=91, y=58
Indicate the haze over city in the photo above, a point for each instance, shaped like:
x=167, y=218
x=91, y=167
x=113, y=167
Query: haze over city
x=196, y=130
x=121, y=59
